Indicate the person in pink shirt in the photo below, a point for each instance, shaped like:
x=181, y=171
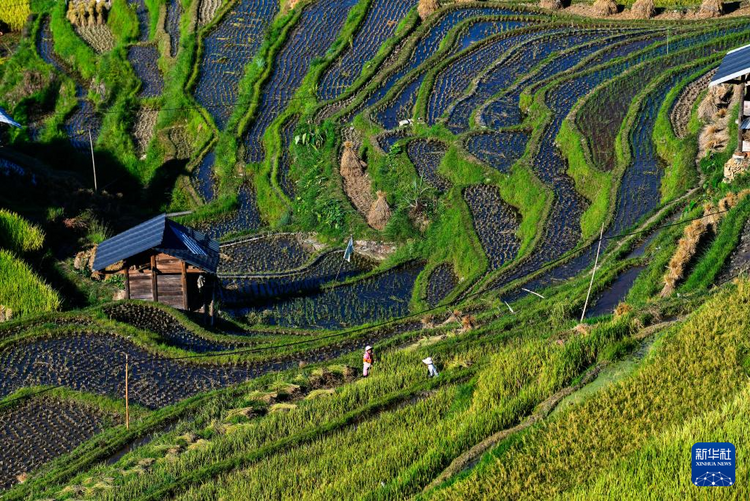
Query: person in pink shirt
x=367, y=360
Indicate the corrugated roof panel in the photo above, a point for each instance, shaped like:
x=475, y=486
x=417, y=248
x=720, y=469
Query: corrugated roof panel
x=130, y=242
x=161, y=235
x=735, y=64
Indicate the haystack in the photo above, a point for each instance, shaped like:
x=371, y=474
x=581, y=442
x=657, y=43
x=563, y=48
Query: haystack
x=380, y=212
x=604, y=8
x=688, y=244
x=643, y=9
x=351, y=165
x=426, y=8
x=686, y=249
x=551, y=4
x=707, y=109
x=711, y=8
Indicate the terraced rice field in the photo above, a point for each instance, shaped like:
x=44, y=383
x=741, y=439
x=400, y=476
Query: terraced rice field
x=227, y=49
x=41, y=429
x=484, y=101
x=426, y=157
x=312, y=35
x=144, y=59
x=174, y=14
x=380, y=24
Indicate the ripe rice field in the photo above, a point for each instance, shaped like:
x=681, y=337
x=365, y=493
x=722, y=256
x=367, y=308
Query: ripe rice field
x=473, y=157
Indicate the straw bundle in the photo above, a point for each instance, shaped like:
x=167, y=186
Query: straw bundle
x=551, y=4
x=643, y=9
x=426, y=8
x=351, y=165
x=604, y=8
x=686, y=249
x=711, y=8
x=380, y=212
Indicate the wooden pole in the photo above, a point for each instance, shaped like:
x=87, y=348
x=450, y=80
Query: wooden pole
x=154, y=283
x=184, y=287
x=93, y=162
x=741, y=117
x=593, y=273
x=127, y=404
x=127, y=282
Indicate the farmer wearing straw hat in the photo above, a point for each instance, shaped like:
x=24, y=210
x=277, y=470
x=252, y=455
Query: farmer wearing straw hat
x=367, y=361
x=431, y=370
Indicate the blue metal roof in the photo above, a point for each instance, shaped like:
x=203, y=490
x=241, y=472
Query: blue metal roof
x=735, y=64
x=162, y=235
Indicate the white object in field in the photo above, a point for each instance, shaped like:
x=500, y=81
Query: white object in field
x=745, y=146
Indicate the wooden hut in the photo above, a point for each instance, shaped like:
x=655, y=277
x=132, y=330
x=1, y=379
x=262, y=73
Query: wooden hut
x=735, y=69
x=163, y=261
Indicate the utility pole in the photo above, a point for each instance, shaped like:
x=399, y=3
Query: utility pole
x=593, y=273
x=127, y=406
x=93, y=162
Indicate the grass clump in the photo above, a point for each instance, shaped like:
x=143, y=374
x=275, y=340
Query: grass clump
x=17, y=234
x=23, y=291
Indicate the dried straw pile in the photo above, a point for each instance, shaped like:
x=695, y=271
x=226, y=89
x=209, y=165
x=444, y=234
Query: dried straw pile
x=380, y=212
x=711, y=8
x=426, y=8
x=643, y=9
x=551, y=4
x=694, y=234
x=714, y=112
x=351, y=165
x=604, y=8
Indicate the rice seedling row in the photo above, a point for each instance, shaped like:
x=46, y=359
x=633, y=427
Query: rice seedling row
x=495, y=222
x=202, y=177
x=227, y=49
x=632, y=200
x=41, y=429
x=172, y=331
x=639, y=188
x=682, y=106
x=315, y=31
x=241, y=291
x=285, y=160
x=144, y=59
x=83, y=119
x=609, y=104
x=387, y=139
x=509, y=70
x=174, y=14
x=143, y=128
x=57, y=321
x=505, y=111
x=95, y=363
x=425, y=48
x=606, y=302
x=144, y=22
x=399, y=106
x=426, y=156
x=377, y=298
x=245, y=218
x=99, y=37
x=451, y=81
x=561, y=232
x=380, y=24
x=441, y=282
x=274, y=253
x=739, y=261
x=499, y=150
